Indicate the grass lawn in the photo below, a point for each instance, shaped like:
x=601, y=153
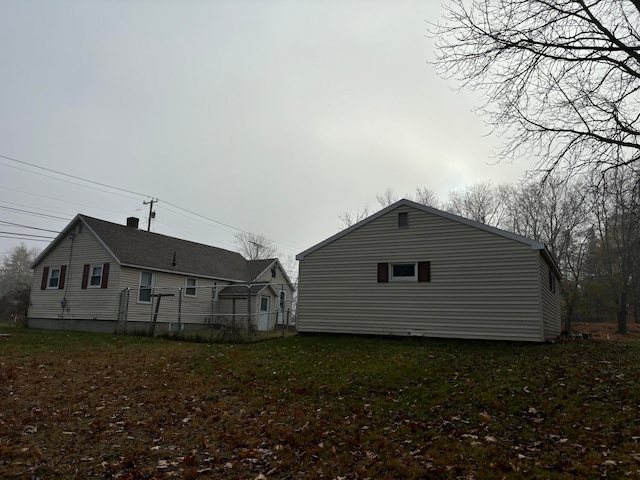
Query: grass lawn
x=77, y=405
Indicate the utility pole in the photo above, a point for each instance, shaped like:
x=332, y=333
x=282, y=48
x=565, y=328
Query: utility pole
x=257, y=246
x=152, y=214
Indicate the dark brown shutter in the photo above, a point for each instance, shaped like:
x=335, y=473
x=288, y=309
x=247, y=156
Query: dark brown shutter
x=105, y=275
x=383, y=272
x=45, y=277
x=85, y=275
x=424, y=271
x=63, y=274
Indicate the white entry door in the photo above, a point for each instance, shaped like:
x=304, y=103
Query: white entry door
x=265, y=310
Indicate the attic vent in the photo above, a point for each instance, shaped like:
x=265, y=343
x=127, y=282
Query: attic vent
x=133, y=222
x=403, y=220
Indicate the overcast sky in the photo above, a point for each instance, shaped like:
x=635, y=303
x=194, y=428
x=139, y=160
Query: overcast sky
x=272, y=117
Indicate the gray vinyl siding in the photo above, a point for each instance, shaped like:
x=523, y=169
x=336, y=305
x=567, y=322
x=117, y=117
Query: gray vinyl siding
x=198, y=311
x=482, y=285
x=74, y=251
x=550, y=302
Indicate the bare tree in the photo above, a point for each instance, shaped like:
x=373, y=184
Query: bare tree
x=255, y=247
x=426, y=196
x=482, y=202
x=556, y=213
x=560, y=78
x=617, y=202
x=386, y=198
x=351, y=218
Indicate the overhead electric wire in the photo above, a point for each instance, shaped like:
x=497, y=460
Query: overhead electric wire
x=54, y=199
x=27, y=226
x=30, y=239
x=125, y=191
x=26, y=234
x=71, y=176
x=34, y=213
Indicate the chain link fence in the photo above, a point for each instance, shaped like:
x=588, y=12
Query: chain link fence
x=227, y=313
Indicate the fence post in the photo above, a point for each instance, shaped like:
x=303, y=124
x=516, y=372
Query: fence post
x=179, y=310
x=249, y=328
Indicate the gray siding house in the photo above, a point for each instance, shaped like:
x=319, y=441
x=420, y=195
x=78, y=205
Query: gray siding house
x=413, y=270
x=105, y=277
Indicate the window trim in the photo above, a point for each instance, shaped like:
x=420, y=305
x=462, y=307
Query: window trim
x=91, y=275
x=422, y=272
x=193, y=287
x=145, y=287
x=51, y=277
x=403, y=278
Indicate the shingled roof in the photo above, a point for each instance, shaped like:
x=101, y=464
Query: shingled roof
x=132, y=247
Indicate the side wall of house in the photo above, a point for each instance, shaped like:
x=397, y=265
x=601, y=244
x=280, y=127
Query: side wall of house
x=91, y=308
x=551, y=309
x=280, y=284
x=176, y=306
x=482, y=285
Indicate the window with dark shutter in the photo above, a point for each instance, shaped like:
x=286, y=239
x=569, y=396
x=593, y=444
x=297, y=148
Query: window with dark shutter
x=45, y=278
x=105, y=276
x=85, y=275
x=63, y=275
x=383, y=272
x=424, y=271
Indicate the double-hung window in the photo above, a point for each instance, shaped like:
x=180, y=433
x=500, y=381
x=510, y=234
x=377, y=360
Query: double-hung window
x=146, y=287
x=54, y=278
x=191, y=287
x=95, y=276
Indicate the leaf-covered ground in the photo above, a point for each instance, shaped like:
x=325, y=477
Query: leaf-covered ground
x=76, y=405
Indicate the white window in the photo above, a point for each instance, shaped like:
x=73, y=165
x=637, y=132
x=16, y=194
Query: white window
x=146, y=287
x=403, y=272
x=53, y=281
x=95, y=276
x=191, y=287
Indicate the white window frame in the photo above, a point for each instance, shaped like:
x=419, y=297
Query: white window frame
x=188, y=287
x=403, y=278
x=91, y=276
x=51, y=277
x=146, y=287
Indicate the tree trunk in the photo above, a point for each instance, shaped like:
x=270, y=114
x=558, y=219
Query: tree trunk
x=622, y=314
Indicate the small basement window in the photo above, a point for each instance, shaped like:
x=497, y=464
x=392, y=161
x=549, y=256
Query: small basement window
x=403, y=220
x=403, y=272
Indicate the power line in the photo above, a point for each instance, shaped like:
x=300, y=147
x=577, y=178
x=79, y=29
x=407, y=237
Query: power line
x=27, y=226
x=30, y=239
x=26, y=235
x=54, y=199
x=72, y=176
x=27, y=212
x=236, y=229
